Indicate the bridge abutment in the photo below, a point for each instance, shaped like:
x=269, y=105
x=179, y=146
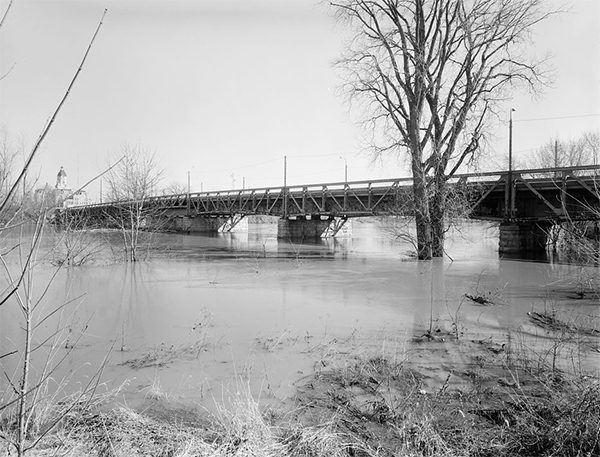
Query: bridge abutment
x=523, y=237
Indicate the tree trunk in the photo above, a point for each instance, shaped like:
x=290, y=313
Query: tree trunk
x=422, y=216
x=438, y=215
x=24, y=383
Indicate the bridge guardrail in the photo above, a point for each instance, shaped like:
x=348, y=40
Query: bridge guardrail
x=342, y=186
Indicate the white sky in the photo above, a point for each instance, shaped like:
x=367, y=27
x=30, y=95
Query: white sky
x=222, y=87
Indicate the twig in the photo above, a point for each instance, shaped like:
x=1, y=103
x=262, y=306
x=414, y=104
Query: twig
x=6, y=13
x=46, y=129
x=94, y=178
x=8, y=71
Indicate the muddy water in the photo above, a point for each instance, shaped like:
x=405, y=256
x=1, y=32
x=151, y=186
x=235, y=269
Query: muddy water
x=248, y=308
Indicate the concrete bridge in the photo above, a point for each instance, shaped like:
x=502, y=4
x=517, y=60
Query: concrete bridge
x=525, y=202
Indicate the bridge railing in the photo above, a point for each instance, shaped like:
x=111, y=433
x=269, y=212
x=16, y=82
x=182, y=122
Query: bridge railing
x=355, y=186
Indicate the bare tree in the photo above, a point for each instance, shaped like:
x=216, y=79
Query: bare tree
x=560, y=153
x=592, y=141
x=28, y=406
x=576, y=241
x=23, y=422
x=130, y=184
x=8, y=155
x=175, y=188
x=429, y=74
x=75, y=244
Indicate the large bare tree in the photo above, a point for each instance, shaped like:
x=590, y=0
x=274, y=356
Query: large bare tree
x=430, y=73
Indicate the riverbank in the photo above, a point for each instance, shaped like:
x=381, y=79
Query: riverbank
x=440, y=393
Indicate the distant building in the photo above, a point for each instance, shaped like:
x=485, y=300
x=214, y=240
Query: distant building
x=61, y=194
x=61, y=188
x=61, y=179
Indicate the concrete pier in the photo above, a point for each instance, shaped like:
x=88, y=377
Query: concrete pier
x=199, y=224
x=518, y=237
x=302, y=228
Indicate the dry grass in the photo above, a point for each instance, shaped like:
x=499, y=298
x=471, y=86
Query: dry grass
x=508, y=403
x=199, y=341
x=164, y=355
x=511, y=401
x=557, y=323
x=241, y=429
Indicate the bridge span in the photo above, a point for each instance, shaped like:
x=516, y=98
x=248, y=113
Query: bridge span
x=525, y=202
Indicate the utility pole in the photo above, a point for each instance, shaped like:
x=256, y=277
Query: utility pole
x=284, y=186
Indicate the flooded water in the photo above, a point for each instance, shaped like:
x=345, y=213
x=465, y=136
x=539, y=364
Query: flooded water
x=246, y=306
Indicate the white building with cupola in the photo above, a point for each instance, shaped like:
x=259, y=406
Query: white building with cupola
x=61, y=194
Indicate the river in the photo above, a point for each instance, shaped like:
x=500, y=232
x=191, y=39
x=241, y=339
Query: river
x=214, y=311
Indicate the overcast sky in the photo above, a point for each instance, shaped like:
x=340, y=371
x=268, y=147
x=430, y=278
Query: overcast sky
x=229, y=87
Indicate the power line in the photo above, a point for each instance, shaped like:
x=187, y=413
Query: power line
x=315, y=155
x=225, y=170
x=556, y=118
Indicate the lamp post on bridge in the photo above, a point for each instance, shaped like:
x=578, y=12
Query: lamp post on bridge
x=345, y=182
x=189, y=179
x=189, y=190
x=345, y=170
x=509, y=200
x=285, y=191
x=189, y=203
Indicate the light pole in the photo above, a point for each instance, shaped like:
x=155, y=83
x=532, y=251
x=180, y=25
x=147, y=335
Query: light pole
x=188, y=199
x=510, y=200
x=345, y=182
x=510, y=135
x=345, y=170
x=285, y=186
x=189, y=179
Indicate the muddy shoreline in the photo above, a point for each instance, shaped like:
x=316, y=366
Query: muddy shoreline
x=442, y=392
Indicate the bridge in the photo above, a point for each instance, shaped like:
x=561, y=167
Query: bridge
x=525, y=202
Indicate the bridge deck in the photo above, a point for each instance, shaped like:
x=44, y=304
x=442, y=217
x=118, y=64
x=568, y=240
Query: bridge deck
x=534, y=194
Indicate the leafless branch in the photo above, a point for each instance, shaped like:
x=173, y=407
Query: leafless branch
x=5, y=13
x=48, y=125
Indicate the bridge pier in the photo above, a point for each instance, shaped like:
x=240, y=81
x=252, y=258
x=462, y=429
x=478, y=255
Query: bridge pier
x=314, y=227
x=204, y=224
x=520, y=237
